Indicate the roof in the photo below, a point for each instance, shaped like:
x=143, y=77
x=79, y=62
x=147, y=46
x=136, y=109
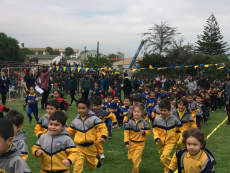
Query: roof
x=43, y=49
x=126, y=61
x=46, y=56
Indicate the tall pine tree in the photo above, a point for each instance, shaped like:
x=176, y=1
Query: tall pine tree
x=211, y=42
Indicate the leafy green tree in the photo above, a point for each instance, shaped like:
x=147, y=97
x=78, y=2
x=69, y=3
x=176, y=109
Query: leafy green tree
x=211, y=42
x=49, y=50
x=101, y=61
x=9, y=49
x=68, y=51
x=26, y=51
x=152, y=59
x=40, y=52
x=56, y=52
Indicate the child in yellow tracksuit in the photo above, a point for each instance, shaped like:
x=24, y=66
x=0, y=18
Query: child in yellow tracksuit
x=135, y=134
x=56, y=148
x=164, y=129
x=195, y=157
x=42, y=125
x=156, y=110
x=103, y=115
x=192, y=106
x=85, y=127
x=183, y=114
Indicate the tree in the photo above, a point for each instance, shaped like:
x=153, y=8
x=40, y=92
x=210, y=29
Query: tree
x=211, y=42
x=120, y=55
x=101, y=61
x=56, y=52
x=49, y=50
x=68, y=51
x=9, y=49
x=26, y=51
x=160, y=37
x=152, y=59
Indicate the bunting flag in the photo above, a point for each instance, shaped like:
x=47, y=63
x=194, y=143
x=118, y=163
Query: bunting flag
x=71, y=68
x=220, y=67
x=181, y=66
x=110, y=69
x=201, y=65
x=150, y=67
x=191, y=65
x=64, y=68
x=90, y=69
x=82, y=70
x=116, y=72
x=206, y=65
x=142, y=68
x=172, y=66
x=195, y=66
x=138, y=67
x=134, y=69
x=177, y=67
x=74, y=68
x=78, y=69
x=57, y=67
x=187, y=66
x=158, y=68
x=103, y=73
x=60, y=68
x=86, y=69
x=67, y=69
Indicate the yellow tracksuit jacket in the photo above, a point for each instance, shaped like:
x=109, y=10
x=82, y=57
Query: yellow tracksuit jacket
x=42, y=126
x=56, y=148
x=129, y=112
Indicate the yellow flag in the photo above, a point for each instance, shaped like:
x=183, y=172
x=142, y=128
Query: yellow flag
x=158, y=68
x=142, y=68
x=116, y=72
x=195, y=66
x=187, y=66
x=86, y=69
x=220, y=67
x=57, y=67
x=150, y=67
x=71, y=68
x=109, y=69
x=216, y=64
x=134, y=69
x=103, y=73
x=78, y=69
x=64, y=68
x=206, y=65
x=177, y=67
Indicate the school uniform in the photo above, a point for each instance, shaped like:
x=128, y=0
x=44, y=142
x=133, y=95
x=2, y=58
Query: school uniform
x=123, y=113
x=150, y=104
x=42, y=126
x=96, y=92
x=143, y=99
x=64, y=105
x=213, y=96
x=33, y=106
x=192, y=106
x=147, y=94
x=173, y=108
x=3, y=109
x=207, y=104
x=165, y=130
x=203, y=162
x=164, y=95
x=85, y=131
x=117, y=113
x=129, y=112
x=11, y=161
x=155, y=112
x=19, y=140
x=184, y=93
x=198, y=115
x=56, y=148
x=157, y=95
x=132, y=94
x=136, y=140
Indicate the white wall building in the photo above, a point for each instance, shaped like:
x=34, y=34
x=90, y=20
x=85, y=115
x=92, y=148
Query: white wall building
x=125, y=63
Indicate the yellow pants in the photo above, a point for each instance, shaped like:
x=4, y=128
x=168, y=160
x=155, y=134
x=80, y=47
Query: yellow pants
x=135, y=153
x=193, y=117
x=89, y=153
x=179, y=144
x=98, y=144
x=46, y=172
x=164, y=153
x=146, y=117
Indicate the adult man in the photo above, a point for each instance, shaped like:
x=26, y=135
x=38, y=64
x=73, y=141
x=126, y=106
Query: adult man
x=203, y=83
x=127, y=87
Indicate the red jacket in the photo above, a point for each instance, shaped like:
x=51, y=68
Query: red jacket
x=3, y=109
x=207, y=103
x=45, y=79
x=64, y=105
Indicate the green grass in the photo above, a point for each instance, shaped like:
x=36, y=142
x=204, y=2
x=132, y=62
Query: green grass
x=116, y=155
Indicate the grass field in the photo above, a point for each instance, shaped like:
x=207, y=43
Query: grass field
x=116, y=155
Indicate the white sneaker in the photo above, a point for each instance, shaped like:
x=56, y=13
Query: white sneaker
x=113, y=127
x=102, y=156
x=119, y=127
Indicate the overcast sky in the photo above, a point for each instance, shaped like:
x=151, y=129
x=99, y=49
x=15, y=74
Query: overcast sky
x=115, y=24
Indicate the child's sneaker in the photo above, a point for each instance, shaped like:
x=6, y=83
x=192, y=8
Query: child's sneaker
x=99, y=162
x=110, y=137
x=102, y=156
x=30, y=121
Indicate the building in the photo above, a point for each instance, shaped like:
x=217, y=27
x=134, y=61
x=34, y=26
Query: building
x=125, y=63
x=89, y=53
x=42, y=59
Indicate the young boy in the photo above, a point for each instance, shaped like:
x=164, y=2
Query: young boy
x=103, y=115
x=184, y=92
x=150, y=104
x=125, y=108
x=3, y=109
x=192, y=106
x=10, y=156
x=157, y=93
x=164, y=129
x=163, y=93
x=19, y=139
x=132, y=93
x=56, y=148
x=117, y=109
x=140, y=91
x=213, y=96
x=42, y=125
x=147, y=92
x=156, y=110
x=84, y=127
x=201, y=114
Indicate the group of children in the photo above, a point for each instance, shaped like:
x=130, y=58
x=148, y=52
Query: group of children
x=173, y=121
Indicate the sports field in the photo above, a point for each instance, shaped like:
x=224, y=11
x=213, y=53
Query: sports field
x=116, y=160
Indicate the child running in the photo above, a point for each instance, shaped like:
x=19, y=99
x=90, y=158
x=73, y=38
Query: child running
x=124, y=109
x=64, y=105
x=150, y=104
x=32, y=100
x=117, y=109
x=201, y=114
x=172, y=100
x=156, y=109
x=135, y=134
x=195, y=158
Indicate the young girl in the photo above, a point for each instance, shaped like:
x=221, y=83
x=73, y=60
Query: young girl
x=172, y=100
x=183, y=114
x=32, y=100
x=64, y=105
x=135, y=135
x=96, y=90
x=195, y=157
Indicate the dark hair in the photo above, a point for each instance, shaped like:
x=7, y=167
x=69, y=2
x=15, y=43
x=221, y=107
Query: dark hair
x=125, y=74
x=84, y=101
x=165, y=103
x=59, y=116
x=185, y=102
x=15, y=117
x=141, y=106
x=44, y=70
x=171, y=98
x=60, y=93
x=54, y=102
x=32, y=87
x=98, y=84
x=97, y=100
x=189, y=94
x=109, y=94
x=137, y=98
x=139, y=91
x=113, y=87
x=27, y=72
x=226, y=79
x=161, y=97
x=6, y=129
x=162, y=89
x=196, y=133
x=199, y=95
x=116, y=95
x=127, y=97
x=152, y=92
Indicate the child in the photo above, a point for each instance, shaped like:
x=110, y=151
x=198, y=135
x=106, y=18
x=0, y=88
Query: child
x=96, y=90
x=64, y=105
x=201, y=113
x=125, y=108
x=194, y=93
x=195, y=157
x=172, y=100
x=156, y=110
x=112, y=90
x=132, y=93
x=192, y=106
x=140, y=91
x=84, y=127
x=184, y=92
x=147, y=92
x=157, y=93
x=103, y=115
x=117, y=109
x=163, y=93
x=183, y=114
x=56, y=148
x=109, y=105
x=213, y=96
x=19, y=139
x=170, y=93
x=116, y=90
x=150, y=104
x=207, y=104
x=32, y=100
x=135, y=134
x=42, y=125
x=3, y=109
x=140, y=87
x=10, y=156
x=164, y=129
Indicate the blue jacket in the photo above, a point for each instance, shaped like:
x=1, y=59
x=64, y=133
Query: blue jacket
x=124, y=109
x=98, y=92
x=143, y=99
x=164, y=95
x=102, y=84
x=151, y=102
x=34, y=100
x=157, y=95
x=147, y=94
x=118, y=106
x=6, y=81
x=132, y=94
x=109, y=106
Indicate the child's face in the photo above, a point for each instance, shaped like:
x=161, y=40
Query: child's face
x=170, y=91
x=110, y=89
x=96, y=107
x=147, y=89
x=156, y=90
x=173, y=102
x=140, y=85
x=116, y=88
x=16, y=129
x=116, y=99
x=165, y=112
x=31, y=90
x=4, y=145
x=207, y=96
x=174, y=92
x=190, y=99
x=56, y=94
x=158, y=101
x=109, y=99
x=162, y=91
x=95, y=85
x=181, y=107
x=194, y=96
x=198, y=99
x=115, y=82
x=152, y=94
x=127, y=102
x=55, y=127
x=214, y=89
x=50, y=109
x=137, y=113
x=193, y=146
x=82, y=109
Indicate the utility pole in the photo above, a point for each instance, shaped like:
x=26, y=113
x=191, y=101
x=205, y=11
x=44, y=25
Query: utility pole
x=97, y=49
x=123, y=60
x=85, y=52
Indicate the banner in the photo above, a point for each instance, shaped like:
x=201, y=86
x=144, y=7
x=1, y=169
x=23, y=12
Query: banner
x=57, y=67
x=64, y=68
x=71, y=68
x=67, y=69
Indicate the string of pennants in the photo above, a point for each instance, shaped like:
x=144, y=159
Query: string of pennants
x=79, y=69
x=182, y=66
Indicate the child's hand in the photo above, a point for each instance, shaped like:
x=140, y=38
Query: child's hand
x=127, y=146
x=142, y=131
x=115, y=110
x=66, y=162
x=201, y=116
x=102, y=140
x=39, y=153
x=63, y=111
x=24, y=104
x=29, y=101
x=115, y=126
x=158, y=141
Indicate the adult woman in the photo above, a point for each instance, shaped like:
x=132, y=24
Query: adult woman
x=146, y=81
x=45, y=85
x=136, y=85
x=192, y=85
x=72, y=87
x=4, y=86
x=103, y=80
x=29, y=80
x=153, y=85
